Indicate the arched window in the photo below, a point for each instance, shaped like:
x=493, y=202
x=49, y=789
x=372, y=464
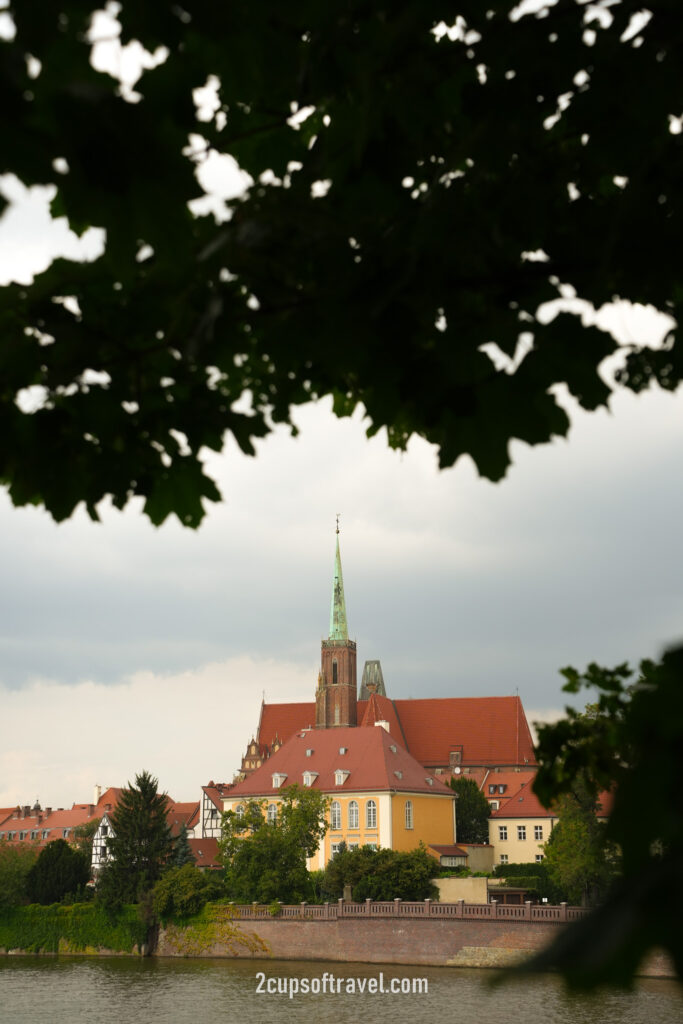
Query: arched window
x=272, y=814
x=371, y=814
x=239, y=811
x=335, y=815
x=335, y=676
x=409, y=813
x=353, y=814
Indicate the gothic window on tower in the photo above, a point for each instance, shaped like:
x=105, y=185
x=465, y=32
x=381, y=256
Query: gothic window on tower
x=371, y=814
x=334, y=671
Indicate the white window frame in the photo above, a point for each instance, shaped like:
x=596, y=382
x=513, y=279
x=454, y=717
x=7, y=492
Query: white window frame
x=353, y=815
x=502, y=833
x=538, y=832
x=335, y=816
x=371, y=814
x=521, y=833
x=271, y=814
x=504, y=858
x=409, y=814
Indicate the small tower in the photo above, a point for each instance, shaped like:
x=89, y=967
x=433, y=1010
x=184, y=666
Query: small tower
x=335, y=697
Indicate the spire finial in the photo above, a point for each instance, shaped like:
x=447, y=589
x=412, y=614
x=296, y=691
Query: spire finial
x=338, y=514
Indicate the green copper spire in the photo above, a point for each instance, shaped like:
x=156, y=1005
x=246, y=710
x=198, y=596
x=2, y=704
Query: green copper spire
x=338, y=628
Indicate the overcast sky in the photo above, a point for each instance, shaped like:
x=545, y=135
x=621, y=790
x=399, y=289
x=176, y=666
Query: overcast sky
x=124, y=647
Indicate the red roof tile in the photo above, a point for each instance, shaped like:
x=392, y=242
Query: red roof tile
x=525, y=804
x=373, y=758
x=205, y=852
x=448, y=851
x=490, y=730
x=487, y=730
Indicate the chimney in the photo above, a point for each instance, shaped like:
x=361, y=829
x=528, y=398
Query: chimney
x=26, y=811
x=91, y=810
x=48, y=810
x=97, y=793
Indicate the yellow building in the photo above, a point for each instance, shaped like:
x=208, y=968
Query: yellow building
x=379, y=794
x=522, y=826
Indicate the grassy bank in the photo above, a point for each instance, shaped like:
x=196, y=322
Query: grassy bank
x=82, y=928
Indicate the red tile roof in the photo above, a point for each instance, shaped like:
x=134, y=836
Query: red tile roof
x=179, y=814
x=448, y=851
x=489, y=730
x=513, y=780
x=525, y=804
x=373, y=758
x=280, y=721
x=205, y=852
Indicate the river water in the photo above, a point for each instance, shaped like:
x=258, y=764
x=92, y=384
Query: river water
x=132, y=991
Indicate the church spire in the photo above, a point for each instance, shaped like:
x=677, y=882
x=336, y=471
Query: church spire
x=338, y=629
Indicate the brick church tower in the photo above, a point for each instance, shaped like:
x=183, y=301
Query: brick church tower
x=335, y=697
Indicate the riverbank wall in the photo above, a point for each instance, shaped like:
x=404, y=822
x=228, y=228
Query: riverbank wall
x=447, y=935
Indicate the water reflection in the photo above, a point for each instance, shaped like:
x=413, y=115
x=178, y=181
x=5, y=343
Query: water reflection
x=130, y=991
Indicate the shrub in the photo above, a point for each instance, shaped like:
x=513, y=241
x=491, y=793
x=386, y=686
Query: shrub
x=182, y=892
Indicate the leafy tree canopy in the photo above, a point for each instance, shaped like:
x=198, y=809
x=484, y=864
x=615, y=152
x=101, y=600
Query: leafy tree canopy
x=82, y=837
x=415, y=198
x=183, y=891
x=631, y=740
x=59, y=871
x=265, y=860
x=578, y=856
x=140, y=844
x=382, y=874
x=16, y=861
x=472, y=811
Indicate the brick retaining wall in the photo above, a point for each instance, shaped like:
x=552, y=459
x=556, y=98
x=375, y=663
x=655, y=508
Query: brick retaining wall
x=391, y=939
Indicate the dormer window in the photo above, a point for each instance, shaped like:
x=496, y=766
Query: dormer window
x=492, y=789
x=398, y=774
x=392, y=748
x=309, y=752
x=309, y=778
x=278, y=779
x=343, y=750
x=429, y=780
x=340, y=776
x=501, y=789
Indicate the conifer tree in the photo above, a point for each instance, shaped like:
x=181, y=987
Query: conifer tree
x=183, y=851
x=140, y=846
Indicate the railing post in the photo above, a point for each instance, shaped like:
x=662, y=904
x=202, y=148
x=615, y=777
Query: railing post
x=397, y=908
x=428, y=908
x=303, y=908
x=527, y=910
x=563, y=913
x=367, y=907
x=340, y=907
x=494, y=904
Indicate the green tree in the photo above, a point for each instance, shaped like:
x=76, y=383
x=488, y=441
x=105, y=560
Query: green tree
x=633, y=736
x=59, y=871
x=82, y=837
x=183, y=851
x=183, y=891
x=382, y=874
x=140, y=845
x=16, y=861
x=266, y=861
x=389, y=236
x=578, y=856
x=472, y=811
